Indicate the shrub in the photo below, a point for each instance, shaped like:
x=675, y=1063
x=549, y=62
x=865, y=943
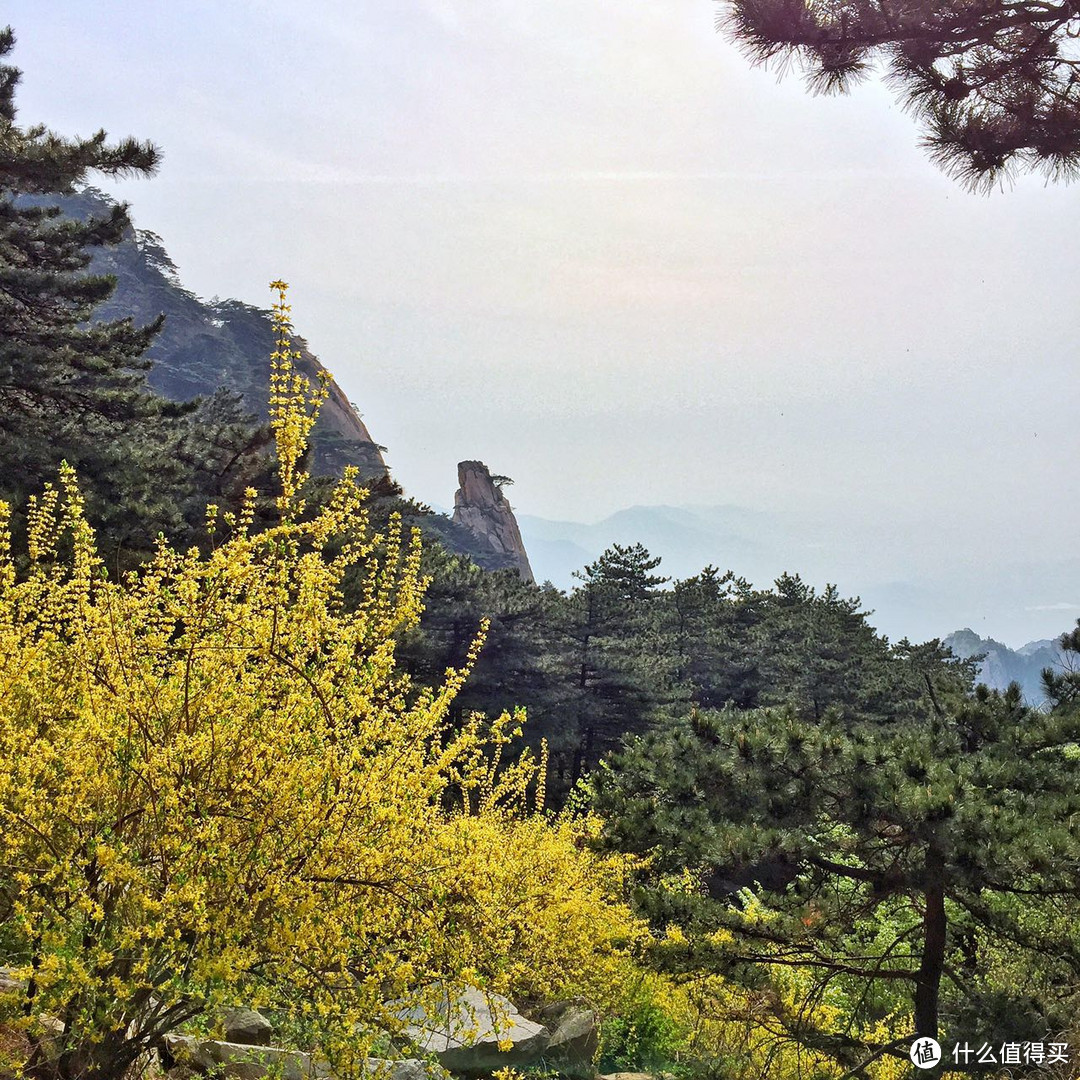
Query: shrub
x=216, y=788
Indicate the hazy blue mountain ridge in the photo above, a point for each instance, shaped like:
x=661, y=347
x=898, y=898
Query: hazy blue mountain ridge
x=1002, y=665
x=207, y=345
x=1021, y=601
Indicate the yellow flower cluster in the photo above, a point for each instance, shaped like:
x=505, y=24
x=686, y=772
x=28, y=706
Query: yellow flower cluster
x=294, y=404
x=217, y=788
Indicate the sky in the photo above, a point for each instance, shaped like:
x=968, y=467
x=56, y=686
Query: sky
x=589, y=244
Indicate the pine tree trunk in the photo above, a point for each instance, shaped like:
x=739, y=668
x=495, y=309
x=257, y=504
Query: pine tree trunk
x=928, y=983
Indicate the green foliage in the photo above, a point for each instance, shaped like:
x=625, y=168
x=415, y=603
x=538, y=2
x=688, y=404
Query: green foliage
x=73, y=389
x=1062, y=688
x=898, y=863
x=620, y=653
x=643, y=1035
x=993, y=84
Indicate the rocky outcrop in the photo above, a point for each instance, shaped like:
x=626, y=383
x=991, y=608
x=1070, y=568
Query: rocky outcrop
x=1001, y=665
x=341, y=437
x=246, y=1026
x=482, y=508
x=575, y=1038
x=211, y=345
x=475, y=1033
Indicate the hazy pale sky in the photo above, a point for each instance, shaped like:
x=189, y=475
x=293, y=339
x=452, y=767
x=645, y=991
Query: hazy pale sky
x=584, y=241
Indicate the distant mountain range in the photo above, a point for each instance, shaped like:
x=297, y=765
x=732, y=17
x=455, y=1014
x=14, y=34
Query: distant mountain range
x=1019, y=601
x=1002, y=665
x=209, y=344
x=687, y=538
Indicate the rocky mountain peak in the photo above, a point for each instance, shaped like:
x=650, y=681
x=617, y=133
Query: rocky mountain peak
x=481, y=506
x=1001, y=665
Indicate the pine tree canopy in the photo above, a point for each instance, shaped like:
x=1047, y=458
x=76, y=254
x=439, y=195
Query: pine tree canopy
x=996, y=85
x=1062, y=688
x=624, y=572
x=898, y=867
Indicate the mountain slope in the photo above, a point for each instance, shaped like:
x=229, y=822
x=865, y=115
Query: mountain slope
x=209, y=345
x=1002, y=665
x=921, y=598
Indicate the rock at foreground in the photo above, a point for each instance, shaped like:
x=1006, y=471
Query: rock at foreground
x=240, y=1061
x=464, y=1031
x=246, y=1026
x=575, y=1038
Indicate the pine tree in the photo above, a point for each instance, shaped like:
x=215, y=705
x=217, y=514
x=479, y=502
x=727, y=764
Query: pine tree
x=74, y=389
x=713, y=617
x=1062, y=688
x=995, y=84
x=616, y=658
x=460, y=598
x=914, y=865
x=817, y=651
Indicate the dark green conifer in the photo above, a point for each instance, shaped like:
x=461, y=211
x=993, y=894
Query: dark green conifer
x=918, y=864
x=1062, y=688
x=75, y=389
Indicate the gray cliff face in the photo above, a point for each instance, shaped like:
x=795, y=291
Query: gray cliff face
x=481, y=507
x=209, y=345
x=1001, y=665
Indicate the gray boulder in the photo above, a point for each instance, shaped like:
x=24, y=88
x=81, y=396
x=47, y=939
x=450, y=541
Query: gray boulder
x=575, y=1038
x=246, y=1026
x=463, y=1033
x=404, y=1069
x=241, y=1061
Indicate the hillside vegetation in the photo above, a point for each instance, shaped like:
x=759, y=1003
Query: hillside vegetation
x=264, y=745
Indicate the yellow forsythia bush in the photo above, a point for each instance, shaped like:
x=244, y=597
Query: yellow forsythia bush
x=216, y=788
x=745, y=1033
x=546, y=918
